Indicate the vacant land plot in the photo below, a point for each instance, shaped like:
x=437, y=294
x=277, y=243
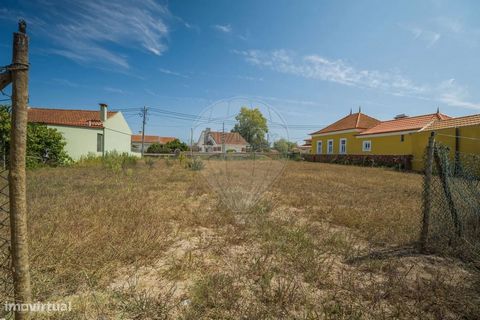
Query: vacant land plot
x=155, y=242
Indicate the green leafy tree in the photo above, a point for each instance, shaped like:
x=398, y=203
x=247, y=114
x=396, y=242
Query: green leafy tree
x=176, y=144
x=4, y=130
x=283, y=145
x=252, y=126
x=158, y=148
x=45, y=146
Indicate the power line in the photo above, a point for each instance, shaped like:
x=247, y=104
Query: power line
x=461, y=137
x=126, y=133
x=219, y=120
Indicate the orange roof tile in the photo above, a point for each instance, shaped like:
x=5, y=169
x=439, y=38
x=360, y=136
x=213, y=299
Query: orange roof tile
x=152, y=139
x=454, y=122
x=63, y=117
x=230, y=138
x=404, y=124
x=352, y=121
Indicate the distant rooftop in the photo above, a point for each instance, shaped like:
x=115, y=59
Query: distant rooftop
x=64, y=117
x=152, y=139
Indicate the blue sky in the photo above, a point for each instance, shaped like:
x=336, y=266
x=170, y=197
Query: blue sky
x=311, y=60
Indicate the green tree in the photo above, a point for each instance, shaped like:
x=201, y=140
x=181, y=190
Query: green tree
x=283, y=145
x=176, y=144
x=4, y=130
x=158, y=148
x=44, y=145
x=252, y=126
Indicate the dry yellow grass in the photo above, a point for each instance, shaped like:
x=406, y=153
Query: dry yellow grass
x=326, y=242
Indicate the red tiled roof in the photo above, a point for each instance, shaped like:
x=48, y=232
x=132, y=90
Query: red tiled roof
x=454, y=122
x=63, y=117
x=230, y=138
x=352, y=121
x=405, y=124
x=152, y=139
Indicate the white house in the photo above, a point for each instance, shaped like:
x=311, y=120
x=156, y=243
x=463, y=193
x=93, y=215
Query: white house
x=86, y=131
x=212, y=141
x=147, y=141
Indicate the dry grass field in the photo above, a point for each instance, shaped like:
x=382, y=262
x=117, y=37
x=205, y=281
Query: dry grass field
x=154, y=242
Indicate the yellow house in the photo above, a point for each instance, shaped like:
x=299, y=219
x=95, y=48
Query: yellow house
x=361, y=136
x=339, y=137
x=460, y=134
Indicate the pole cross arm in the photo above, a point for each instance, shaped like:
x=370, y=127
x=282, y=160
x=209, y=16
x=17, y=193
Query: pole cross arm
x=5, y=79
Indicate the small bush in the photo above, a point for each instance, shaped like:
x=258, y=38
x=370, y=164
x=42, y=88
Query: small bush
x=196, y=164
x=182, y=159
x=150, y=162
x=113, y=160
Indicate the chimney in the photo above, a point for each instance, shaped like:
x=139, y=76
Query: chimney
x=103, y=112
x=400, y=116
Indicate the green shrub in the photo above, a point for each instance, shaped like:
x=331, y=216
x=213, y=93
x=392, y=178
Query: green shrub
x=182, y=159
x=176, y=145
x=149, y=162
x=196, y=164
x=158, y=148
x=45, y=146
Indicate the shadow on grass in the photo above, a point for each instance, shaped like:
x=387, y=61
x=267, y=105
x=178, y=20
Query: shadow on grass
x=409, y=250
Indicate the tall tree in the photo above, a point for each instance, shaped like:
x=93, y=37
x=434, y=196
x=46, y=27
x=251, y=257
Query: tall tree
x=283, y=145
x=252, y=126
x=44, y=145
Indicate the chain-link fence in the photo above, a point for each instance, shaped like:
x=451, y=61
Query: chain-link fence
x=6, y=283
x=452, y=203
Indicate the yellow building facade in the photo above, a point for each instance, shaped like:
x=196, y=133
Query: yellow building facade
x=403, y=136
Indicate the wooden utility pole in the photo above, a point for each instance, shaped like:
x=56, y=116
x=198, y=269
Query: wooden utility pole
x=224, y=152
x=17, y=175
x=144, y=121
x=191, y=142
x=427, y=195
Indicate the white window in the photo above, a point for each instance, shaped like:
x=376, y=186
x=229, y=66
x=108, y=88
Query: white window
x=367, y=146
x=319, y=147
x=342, y=149
x=330, y=146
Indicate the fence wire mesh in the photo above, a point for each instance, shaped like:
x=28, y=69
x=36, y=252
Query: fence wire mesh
x=454, y=224
x=6, y=283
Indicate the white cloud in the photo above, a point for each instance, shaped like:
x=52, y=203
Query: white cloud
x=340, y=72
x=455, y=95
x=114, y=90
x=321, y=68
x=85, y=31
x=65, y=82
x=173, y=73
x=248, y=78
x=429, y=37
x=223, y=28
